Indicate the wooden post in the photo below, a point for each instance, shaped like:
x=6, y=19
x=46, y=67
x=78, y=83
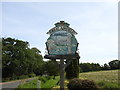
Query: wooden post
x=38, y=85
x=61, y=74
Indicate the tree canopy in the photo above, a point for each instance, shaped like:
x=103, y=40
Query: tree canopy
x=114, y=64
x=18, y=59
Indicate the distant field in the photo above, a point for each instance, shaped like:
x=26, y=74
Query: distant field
x=107, y=76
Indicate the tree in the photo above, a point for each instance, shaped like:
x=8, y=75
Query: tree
x=18, y=59
x=86, y=67
x=72, y=70
x=37, y=62
x=106, y=67
x=13, y=57
x=114, y=64
x=52, y=68
x=95, y=66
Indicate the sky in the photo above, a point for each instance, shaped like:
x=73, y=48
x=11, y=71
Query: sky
x=95, y=22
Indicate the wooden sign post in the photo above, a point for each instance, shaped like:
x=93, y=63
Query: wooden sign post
x=62, y=74
x=62, y=44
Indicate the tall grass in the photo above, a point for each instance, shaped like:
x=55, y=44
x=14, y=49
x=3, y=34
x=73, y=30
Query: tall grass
x=31, y=84
x=46, y=82
x=50, y=83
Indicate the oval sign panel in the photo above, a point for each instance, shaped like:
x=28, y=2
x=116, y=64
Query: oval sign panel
x=62, y=40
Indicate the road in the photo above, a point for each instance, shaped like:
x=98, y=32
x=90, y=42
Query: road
x=14, y=84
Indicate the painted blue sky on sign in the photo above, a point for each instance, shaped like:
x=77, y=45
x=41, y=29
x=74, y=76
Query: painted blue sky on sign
x=96, y=24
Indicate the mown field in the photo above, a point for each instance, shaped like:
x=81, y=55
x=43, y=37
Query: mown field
x=107, y=76
x=104, y=79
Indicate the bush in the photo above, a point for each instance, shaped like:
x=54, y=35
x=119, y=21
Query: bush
x=6, y=79
x=32, y=75
x=72, y=70
x=14, y=77
x=43, y=79
x=48, y=77
x=81, y=84
x=23, y=77
x=32, y=85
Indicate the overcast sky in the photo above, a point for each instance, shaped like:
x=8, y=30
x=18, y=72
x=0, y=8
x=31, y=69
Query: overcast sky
x=95, y=22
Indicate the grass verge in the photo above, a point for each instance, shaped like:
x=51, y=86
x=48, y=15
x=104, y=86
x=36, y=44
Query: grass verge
x=31, y=84
x=104, y=79
x=45, y=83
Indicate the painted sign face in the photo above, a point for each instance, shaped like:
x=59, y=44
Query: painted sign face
x=61, y=43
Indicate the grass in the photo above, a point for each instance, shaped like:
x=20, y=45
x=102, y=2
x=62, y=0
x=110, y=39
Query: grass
x=57, y=87
x=104, y=79
x=31, y=84
x=45, y=83
x=103, y=84
x=50, y=83
x=107, y=76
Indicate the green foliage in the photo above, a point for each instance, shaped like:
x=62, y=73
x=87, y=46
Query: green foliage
x=23, y=76
x=85, y=67
x=72, y=71
x=106, y=67
x=114, y=64
x=50, y=83
x=29, y=85
x=18, y=59
x=52, y=68
x=31, y=75
x=39, y=68
x=45, y=83
x=81, y=84
x=43, y=79
x=76, y=68
x=14, y=77
x=13, y=57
